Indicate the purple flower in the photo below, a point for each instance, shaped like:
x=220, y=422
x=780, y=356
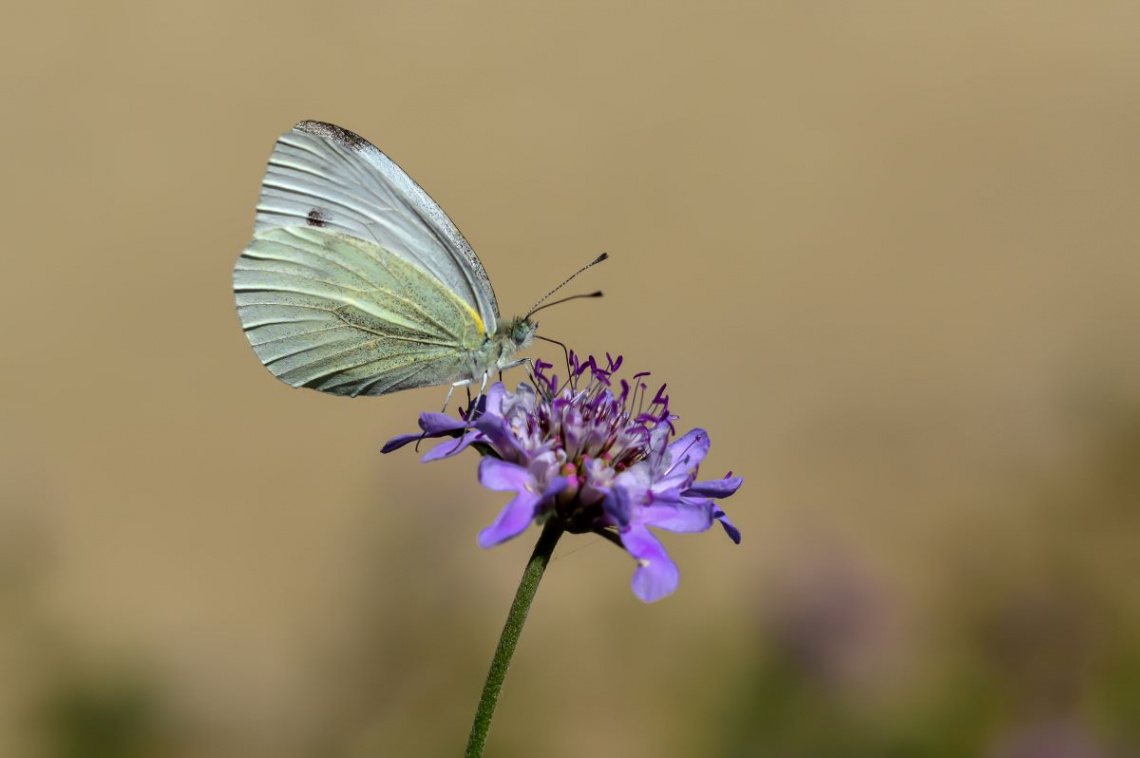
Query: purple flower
x=1061, y=738
x=595, y=456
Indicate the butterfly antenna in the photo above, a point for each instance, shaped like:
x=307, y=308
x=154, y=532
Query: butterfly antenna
x=596, y=261
x=563, y=300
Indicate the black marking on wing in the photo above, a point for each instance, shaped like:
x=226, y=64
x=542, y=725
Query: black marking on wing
x=334, y=133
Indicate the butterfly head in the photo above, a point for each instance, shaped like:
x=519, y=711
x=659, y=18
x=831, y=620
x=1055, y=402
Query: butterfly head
x=517, y=333
x=510, y=337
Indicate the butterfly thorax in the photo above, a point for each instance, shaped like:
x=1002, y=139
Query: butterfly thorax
x=498, y=350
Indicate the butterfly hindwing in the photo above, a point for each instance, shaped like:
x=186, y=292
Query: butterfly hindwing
x=337, y=313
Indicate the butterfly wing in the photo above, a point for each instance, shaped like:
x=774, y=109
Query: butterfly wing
x=337, y=313
x=326, y=177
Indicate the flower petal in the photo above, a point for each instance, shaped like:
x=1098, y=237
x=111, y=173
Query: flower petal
x=685, y=516
x=690, y=448
x=656, y=575
x=493, y=400
x=729, y=528
x=519, y=403
x=630, y=490
x=682, y=456
x=517, y=515
x=501, y=476
x=435, y=424
x=399, y=441
x=500, y=437
x=432, y=424
x=450, y=447
x=616, y=509
x=512, y=520
x=717, y=488
x=557, y=486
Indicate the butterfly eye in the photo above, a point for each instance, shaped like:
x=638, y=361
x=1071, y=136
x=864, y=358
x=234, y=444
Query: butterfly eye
x=521, y=332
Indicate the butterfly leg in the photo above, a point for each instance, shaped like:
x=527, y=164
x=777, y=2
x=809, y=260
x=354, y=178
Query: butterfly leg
x=530, y=370
x=470, y=406
x=482, y=387
x=447, y=400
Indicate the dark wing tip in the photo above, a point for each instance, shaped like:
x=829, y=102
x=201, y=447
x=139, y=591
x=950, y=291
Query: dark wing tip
x=334, y=133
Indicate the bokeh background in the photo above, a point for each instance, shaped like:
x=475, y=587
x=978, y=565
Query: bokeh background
x=886, y=253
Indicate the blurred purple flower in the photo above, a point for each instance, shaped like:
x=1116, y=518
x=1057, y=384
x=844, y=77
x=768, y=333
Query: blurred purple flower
x=833, y=620
x=1062, y=738
x=597, y=457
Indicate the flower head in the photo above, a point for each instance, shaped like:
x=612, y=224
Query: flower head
x=598, y=457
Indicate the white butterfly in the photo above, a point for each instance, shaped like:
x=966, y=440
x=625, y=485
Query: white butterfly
x=356, y=283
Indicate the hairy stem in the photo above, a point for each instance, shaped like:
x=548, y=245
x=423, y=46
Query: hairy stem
x=528, y=586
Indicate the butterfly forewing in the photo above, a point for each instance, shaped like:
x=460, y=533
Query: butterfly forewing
x=327, y=178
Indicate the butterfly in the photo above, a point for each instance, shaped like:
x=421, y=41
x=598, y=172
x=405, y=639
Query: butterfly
x=357, y=283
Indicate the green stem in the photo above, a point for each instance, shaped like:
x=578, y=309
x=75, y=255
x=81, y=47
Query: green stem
x=510, y=637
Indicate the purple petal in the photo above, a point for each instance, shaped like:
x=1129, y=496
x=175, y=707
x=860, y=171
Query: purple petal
x=658, y=435
x=685, y=516
x=500, y=437
x=432, y=424
x=450, y=447
x=682, y=455
x=557, y=486
x=617, y=508
x=629, y=491
x=517, y=515
x=717, y=488
x=435, y=424
x=656, y=575
x=729, y=528
x=399, y=441
x=689, y=449
x=512, y=520
x=493, y=401
x=518, y=405
x=501, y=476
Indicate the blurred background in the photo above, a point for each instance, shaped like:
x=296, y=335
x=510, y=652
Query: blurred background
x=886, y=253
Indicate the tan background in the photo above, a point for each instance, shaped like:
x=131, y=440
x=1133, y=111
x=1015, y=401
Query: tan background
x=886, y=253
